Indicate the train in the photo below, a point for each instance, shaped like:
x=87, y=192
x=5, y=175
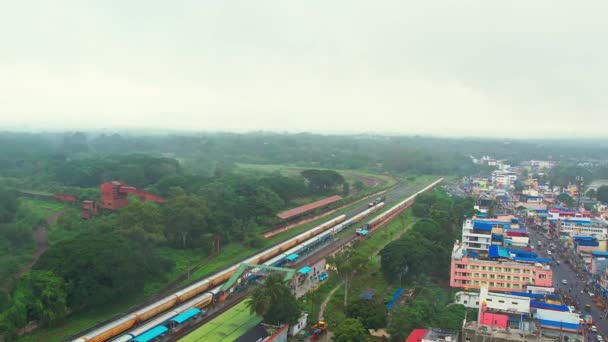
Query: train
x=202, y=293
x=208, y=298
x=139, y=316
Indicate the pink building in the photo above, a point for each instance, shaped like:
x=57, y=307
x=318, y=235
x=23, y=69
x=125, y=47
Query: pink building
x=506, y=276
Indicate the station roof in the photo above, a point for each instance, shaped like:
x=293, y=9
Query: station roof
x=292, y=257
x=151, y=334
x=304, y=270
x=308, y=207
x=186, y=315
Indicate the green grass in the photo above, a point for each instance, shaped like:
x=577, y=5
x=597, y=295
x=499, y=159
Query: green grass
x=39, y=209
x=350, y=176
x=227, y=327
x=230, y=254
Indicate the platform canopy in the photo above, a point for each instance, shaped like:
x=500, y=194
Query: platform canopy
x=304, y=270
x=292, y=257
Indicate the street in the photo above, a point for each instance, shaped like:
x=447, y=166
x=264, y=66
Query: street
x=566, y=271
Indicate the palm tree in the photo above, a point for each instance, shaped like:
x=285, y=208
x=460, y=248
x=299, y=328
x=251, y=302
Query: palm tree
x=347, y=262
x=271, y=299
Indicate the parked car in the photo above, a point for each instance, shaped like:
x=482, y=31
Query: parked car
x=564, y=281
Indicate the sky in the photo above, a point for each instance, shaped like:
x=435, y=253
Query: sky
x=516, y=68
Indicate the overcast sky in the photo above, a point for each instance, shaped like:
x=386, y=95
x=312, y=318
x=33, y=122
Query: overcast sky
x=444, y=67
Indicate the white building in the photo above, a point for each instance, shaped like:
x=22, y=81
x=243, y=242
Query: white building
x=494, y=300
x=575, y=229
x=475, y=239
x=503, y=178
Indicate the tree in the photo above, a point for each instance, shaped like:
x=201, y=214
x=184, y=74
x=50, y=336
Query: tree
x=8, y=205
x=372, y=314
x=347, y=262
x=591, y=193
x=345, y=189
x=350, y=330
x=358, y=185
x=142, y=223
x=567, y=200
x=602, y=193
x=45, y=296
x=274, y=301
x=409, y=317
x=185, y=217
x=100, y=268
x=321, y=181
x=420, y=209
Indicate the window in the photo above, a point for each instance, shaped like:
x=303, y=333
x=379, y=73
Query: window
x=514, y=303
x=488, y=299
x=477, y=303
x=501, y=301
x=465, y=302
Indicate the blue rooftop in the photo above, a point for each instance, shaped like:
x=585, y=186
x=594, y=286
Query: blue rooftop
x=540, y=260
x=599, y=254
x=186, y=315
x=292, y=257
x=304, y=270
x=151, y=334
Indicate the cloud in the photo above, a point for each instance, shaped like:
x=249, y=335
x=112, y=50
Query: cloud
x=518, y=68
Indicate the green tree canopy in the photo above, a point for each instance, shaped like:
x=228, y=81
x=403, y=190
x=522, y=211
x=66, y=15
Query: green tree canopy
x=185, y=217
x=141, y=222
x=372, y=314
x=350, y=330
x=99, y=268
x=321, y=181
x=274, y=301
x=602, y=193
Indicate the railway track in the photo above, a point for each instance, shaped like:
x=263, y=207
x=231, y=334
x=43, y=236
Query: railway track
x=391, y=196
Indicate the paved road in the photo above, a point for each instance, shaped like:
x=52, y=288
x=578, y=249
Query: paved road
x=566, y=271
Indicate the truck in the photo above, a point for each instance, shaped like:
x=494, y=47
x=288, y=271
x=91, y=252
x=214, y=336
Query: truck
x=539, y=244
x=588, y=319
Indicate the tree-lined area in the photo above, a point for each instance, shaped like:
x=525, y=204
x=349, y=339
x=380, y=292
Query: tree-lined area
x=57, y=156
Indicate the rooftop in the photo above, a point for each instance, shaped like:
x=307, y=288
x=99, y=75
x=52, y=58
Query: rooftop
x=308, y=207
x=439, y=335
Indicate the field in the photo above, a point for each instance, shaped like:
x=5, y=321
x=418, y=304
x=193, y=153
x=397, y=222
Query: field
x=230, y=253
x=226, y=327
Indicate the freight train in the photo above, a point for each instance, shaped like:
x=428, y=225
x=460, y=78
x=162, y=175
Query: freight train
x=203, y=292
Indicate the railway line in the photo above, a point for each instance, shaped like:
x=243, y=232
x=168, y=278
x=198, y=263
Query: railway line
x=201, y=294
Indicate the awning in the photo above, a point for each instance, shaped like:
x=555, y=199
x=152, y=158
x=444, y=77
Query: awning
x=151, y=334
x=186, y=315
x=292, y=257
x=304, y=270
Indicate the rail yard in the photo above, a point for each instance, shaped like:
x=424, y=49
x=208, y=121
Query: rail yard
x=158, y=315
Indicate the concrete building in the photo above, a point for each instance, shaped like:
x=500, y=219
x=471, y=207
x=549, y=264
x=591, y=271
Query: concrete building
x=494, y=301
x=497, y=275
x=501, y=178
x=439, y=335
x=599, y=263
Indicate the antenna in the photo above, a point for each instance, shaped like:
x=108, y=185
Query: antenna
x=579, y=190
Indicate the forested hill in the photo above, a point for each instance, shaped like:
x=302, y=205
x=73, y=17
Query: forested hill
x=420, y=155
